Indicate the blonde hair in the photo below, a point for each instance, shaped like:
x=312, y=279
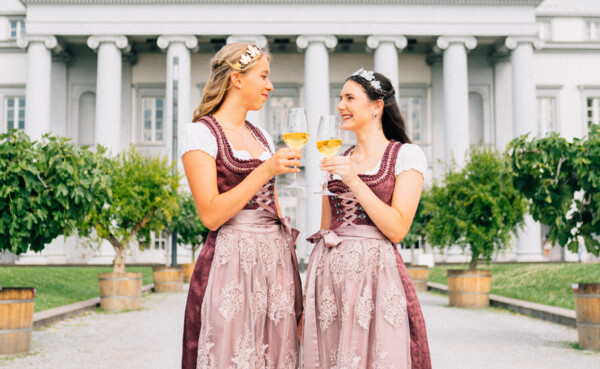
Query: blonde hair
x=222, y=65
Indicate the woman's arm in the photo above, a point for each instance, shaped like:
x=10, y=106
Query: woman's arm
x=395, y=220
x=214, y=208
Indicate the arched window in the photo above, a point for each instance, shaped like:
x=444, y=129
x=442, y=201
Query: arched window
x=476, y=119
x=87, y=119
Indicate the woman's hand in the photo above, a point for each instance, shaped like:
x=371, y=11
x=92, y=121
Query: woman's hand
x=283, y=161
x=341, y=166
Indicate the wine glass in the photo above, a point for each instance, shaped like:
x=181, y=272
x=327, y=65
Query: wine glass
x=329, y=142
x=295, y=134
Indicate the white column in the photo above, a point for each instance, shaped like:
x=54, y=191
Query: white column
x=108, y=89
x=316, y=89
x=260, y=41
x=438, y=136
x=177, y=47
x=529, y=241
x=456, y=95
x=39, y=77
x=386, y=55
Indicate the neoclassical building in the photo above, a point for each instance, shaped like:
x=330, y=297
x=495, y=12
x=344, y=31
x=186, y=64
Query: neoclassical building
x=467, y=72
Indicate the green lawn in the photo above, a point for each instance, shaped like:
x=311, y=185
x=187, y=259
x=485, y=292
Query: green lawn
x=548, y=284
x=57, y=286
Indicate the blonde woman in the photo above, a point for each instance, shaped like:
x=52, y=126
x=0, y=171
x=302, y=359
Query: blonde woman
x=245, y=295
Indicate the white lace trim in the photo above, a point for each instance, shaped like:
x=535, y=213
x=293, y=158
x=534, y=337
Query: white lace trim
x=410, y=156
x=197, y=136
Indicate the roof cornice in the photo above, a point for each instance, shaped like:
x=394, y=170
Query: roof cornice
x=289, y=2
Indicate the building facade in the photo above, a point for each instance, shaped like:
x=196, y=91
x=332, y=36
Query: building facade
x=467, y=72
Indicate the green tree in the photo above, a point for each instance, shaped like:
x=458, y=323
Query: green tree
x=46, y=189
x=476, y=207
x=417, y=228
x=143, y=187
x=561, y=180
x=187, y=224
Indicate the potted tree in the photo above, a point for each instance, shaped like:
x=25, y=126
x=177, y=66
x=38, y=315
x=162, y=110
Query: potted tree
x=142, y=187
x=562, y=182
x=46, y=188
x=419, y=274
x=479, y=209
x=190, y=230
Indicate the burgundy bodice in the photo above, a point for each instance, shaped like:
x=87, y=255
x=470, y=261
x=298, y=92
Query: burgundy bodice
x=231, y=170
x=345, y=209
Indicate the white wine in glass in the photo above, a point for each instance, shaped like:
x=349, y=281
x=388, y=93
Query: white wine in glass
x=295, y=134
x=329, y=142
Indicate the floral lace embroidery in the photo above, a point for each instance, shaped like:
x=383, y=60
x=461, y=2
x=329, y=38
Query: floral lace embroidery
x=206, y=359
x=379, y=356
x=327, y=309
x=345, y=308
x=244, y=351
x=353, y=262
x=347, y=359
x=224, y=246
x=364, y=308
x=336, y=265
x=277, y=303
x=262, y=360
x=230, y=301
x=283, y=251
x=372, y=256
x=387, y=258
x=290, y=360
x=247, y=254
x=266, y=253
x=394, y=307
x=259, y=300
x=333, y=356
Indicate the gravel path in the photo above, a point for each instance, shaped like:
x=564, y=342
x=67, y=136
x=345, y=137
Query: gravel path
x=151, y=338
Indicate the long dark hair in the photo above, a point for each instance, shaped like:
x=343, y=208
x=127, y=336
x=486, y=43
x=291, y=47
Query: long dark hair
x=391, y=120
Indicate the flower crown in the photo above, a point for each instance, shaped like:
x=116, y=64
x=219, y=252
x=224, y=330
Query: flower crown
x=369, y=76
x=252, y=52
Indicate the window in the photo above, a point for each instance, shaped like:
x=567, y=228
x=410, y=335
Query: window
x=544, y=30
x=592, y=30
x=159, y=241
x=17, y=27
x=412, y=110
x=592, y=110
x=546, y=115
x=280, y=100
x=14, y=112
x=152, y=119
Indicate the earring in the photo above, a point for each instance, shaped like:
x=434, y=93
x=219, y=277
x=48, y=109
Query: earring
x=374, y=115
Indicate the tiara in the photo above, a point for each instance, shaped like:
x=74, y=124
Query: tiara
x=369, y=76
x=247, y=57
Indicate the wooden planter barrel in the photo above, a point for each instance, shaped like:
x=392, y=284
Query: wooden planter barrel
x=587, y=310
x=419, y=275
x=168, y=279
x=16, y=319
x=120, y=291
x=188, y=270
x=469, y=288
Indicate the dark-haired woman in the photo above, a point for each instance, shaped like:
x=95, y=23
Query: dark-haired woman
x=361, y=309
x=245, y=294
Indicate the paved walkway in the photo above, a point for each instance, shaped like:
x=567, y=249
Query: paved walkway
x=151, y=338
